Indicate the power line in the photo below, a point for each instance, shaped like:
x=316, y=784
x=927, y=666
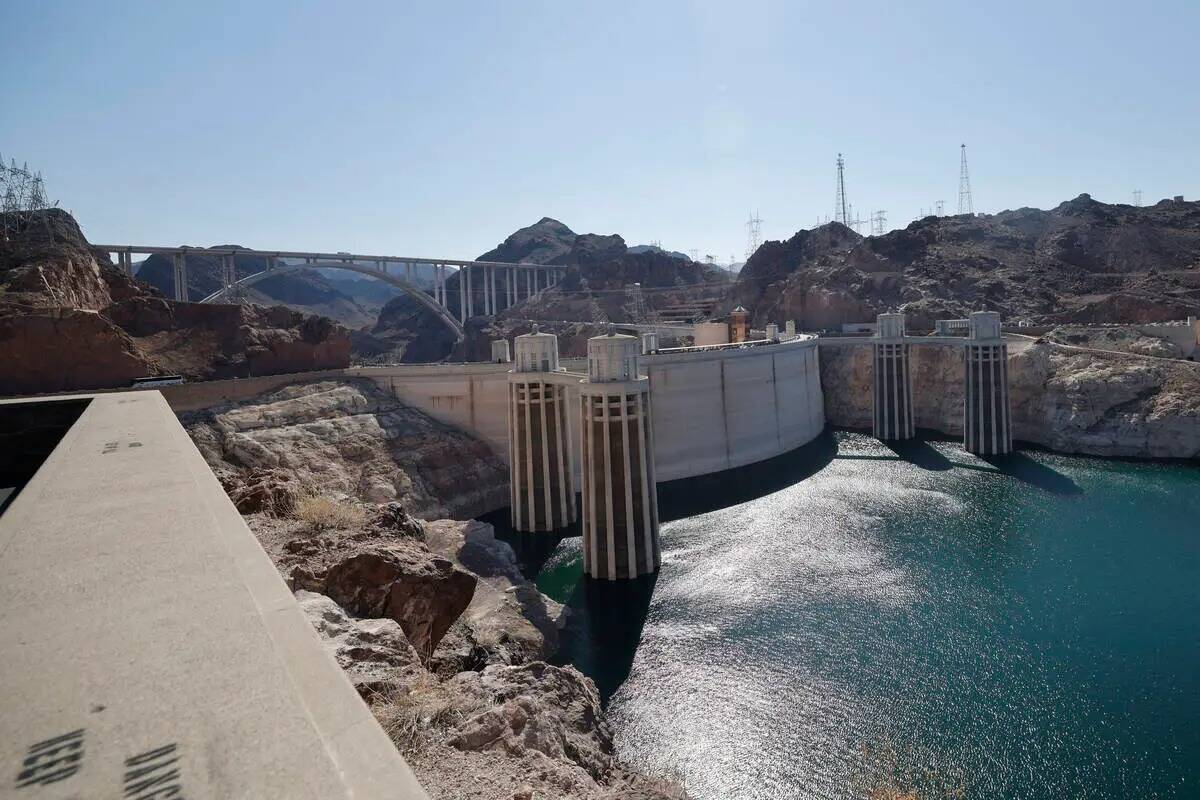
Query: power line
x=965, y=204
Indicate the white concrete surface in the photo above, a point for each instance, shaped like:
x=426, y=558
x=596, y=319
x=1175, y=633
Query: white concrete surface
x=723, y=408
x=151, y=648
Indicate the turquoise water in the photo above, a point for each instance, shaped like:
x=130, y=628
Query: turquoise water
x=859, y=618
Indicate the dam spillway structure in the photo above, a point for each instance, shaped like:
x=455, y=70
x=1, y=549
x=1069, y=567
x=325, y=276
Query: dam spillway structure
x=620, y=501
x=539, y=438
x=892, y=418
x=986, y=418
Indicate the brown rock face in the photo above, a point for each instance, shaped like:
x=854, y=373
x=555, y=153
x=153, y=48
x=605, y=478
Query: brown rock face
x=60, y=349
x=69, y=320
x=423, y=593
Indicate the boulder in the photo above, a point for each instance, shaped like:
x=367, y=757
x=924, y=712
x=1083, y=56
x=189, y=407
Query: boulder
x=552, y=710
x=508, y=619
x=421, y=592
x=375, y=653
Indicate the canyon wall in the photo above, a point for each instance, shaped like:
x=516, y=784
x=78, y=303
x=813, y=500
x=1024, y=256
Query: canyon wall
x=1067, y=399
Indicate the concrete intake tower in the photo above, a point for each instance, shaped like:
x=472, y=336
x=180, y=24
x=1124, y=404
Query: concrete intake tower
x=893, y=410
x=539, y=439
x=986, y=420
x=620, y=502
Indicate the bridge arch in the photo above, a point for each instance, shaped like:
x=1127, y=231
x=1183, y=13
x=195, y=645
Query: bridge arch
x=417, y=294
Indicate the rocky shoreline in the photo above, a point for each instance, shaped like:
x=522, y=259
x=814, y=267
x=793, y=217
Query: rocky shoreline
x=431, y=619
x=1068, y=399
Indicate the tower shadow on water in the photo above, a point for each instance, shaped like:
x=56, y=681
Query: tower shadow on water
x=1026, y=470
x=692, y=496
x=607, y=618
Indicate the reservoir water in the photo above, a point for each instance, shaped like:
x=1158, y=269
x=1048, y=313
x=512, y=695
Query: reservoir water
x=853, y=619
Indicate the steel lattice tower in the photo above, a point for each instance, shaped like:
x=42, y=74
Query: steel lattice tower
x=753, y=234
x=965, y=204
x=840, y=214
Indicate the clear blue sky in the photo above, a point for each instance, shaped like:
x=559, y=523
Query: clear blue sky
x=439, y=128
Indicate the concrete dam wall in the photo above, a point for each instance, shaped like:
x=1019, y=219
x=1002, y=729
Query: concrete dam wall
x=711, y=409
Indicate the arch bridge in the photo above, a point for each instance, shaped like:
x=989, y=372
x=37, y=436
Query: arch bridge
x=502, y=284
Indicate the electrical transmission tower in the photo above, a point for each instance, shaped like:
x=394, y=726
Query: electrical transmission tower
x=1137, y=197
x=693, y=254
x=941, y=208
x=878, y=222
x=840, y=212
x=753, y=234
x=965, y=204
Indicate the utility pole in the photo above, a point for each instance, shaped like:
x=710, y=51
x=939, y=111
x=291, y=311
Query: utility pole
x=965, y=204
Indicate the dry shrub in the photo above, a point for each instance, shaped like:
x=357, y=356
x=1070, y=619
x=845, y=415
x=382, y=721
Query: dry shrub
x=419, y=713
x=322, y=512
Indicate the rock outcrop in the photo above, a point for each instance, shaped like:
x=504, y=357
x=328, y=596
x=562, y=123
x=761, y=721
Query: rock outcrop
x=505, y=723
x=508, y=620
x=423, y=593
x=69, y=320
x=375, y=653
x=1067, y=399
x=1081, y=262
x=352, y=438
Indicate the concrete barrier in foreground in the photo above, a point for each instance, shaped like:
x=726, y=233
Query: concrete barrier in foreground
x=150, y=647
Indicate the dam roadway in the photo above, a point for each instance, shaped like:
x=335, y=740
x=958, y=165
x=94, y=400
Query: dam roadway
x=151, y=647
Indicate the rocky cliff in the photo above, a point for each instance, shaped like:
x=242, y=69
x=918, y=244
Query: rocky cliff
x=1082, y=262
x=432, y=621
x=70, y=320
x=1068, y=399
x=352, y=439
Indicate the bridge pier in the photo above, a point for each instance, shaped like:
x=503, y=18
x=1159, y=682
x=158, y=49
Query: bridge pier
x=539, y=438
x=620, y=500
x=893, y=413
x=179, y=268
x=986, y=419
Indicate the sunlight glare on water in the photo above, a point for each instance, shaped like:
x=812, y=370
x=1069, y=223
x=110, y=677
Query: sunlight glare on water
x=917, y=619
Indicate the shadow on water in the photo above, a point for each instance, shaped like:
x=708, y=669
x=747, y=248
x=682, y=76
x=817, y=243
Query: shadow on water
x=1016, y=465
x=607, y=618
x=1023, y=468
x=690, y=497
x=918, y=453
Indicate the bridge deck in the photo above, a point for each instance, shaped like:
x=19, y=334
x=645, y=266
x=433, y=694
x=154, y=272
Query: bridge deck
x=148, y=636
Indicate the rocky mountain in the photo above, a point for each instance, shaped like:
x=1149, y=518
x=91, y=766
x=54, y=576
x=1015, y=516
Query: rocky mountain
x=594, y=290
x=1081, y=262
x=69, y=320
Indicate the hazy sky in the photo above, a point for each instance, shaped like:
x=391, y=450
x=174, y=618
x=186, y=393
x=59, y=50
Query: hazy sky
x=439, y=128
